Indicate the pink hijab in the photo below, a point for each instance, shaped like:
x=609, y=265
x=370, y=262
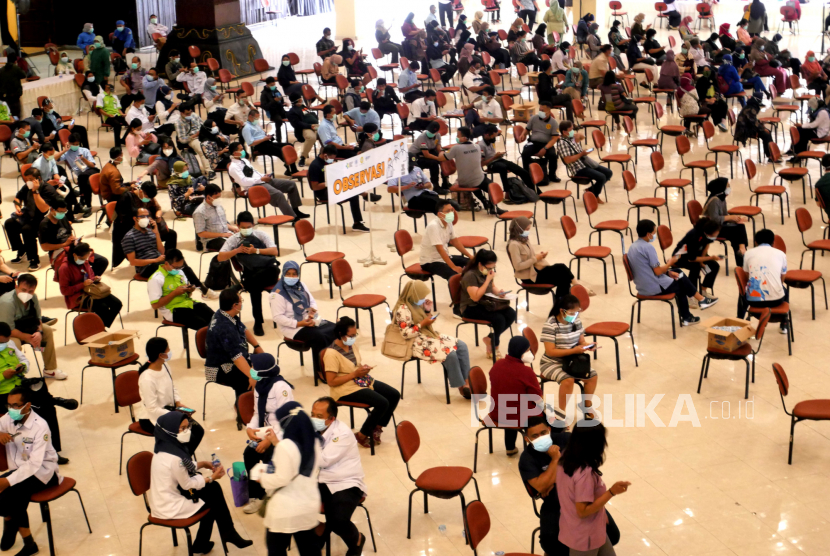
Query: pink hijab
x=467, y=52
x=686, y=84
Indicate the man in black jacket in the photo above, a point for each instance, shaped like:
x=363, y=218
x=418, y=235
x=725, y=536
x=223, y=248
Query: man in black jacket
x=305, y=131
x=546, y=90
x=384, y=99
x=271, y=100
x=52, y=122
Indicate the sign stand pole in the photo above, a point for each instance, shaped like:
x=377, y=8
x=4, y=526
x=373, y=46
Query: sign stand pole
x=371, y=259
x=392, y=246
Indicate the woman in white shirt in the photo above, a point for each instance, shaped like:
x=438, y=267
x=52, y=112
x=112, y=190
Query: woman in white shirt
x=294, y=310
x=158, y=393
x=270, y=393
x=294, y=507
x=167, y=111
x=174, y=472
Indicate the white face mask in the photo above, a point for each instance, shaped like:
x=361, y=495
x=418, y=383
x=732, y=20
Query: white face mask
x=527, y=358
x=245, y=232
x=168, y=97
x=166, y=356
x=167, y=152
x=25, y=297
x=184, y=437
x=144, y=221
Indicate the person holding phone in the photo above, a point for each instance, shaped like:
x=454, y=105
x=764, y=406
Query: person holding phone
x=78, y=270
x=413, y=318
x=13, y=365
x=349, y=380
x=159, y=394
x=173, y=472
x=563, y=336
x=569, y=148
x=170, y=293
x=693, y=250
x=477, y=281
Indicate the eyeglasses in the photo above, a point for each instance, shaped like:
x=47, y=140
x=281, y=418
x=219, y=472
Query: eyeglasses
x=15, y=405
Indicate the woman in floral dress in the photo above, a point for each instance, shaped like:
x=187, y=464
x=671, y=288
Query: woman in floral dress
x=414, y=316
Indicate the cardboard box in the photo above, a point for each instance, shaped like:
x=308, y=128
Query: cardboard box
x=523, y=112
x=728, y=341
x=533, y=78
x=108, y=348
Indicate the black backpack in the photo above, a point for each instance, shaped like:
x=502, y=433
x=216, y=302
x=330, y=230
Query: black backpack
x=220, y=275
x=517, y=193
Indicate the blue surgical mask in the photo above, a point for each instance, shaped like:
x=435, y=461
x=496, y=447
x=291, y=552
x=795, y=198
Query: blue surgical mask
x=174, y=272
x=526, y=233
x=653, y=239
x=255, y=375
x=4, y=345
x=376, y=137
x=543, y=443
x=145, y=200
x=329, y=160
x=74, y=148
x=570, y=318
x=15, y=414
x=712, y=238
x=185, y=174
x=421, y=302
x=79, y=262
x=318, y=424
x=349, y=341
x=60, y=215
x=286, y=63
x=291, y=281
x=571, y=134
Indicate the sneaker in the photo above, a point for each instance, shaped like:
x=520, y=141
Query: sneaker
x=48, y=320
x=252, y=506
x=784, y=330
x=360, y=227
x=710, y=293
x=57, y=374
x=18, y=259
x=34, y=266
x=723, y=127
x=210, y=294
x=374, y=198
x=693, y=304
x=706, y=303
x=301, y=162
x=689, y=321
x=211, y=175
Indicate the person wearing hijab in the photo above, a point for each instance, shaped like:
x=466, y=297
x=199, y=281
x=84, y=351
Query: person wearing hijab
x=435, y=55
x=511, y=378
x=732, y=227
x=159, y=394
x=783, y=56
x=413, y=318
x=710, y=98
x=583, y=29
x=594, y=43
x=757, y=18
x=813, y=73
x=713, y=50
x=684, y=60
x=637, y=28
x=173, y=472
x=669, y=73
x=556, y=21
x=689, y=100
x=99, y=61
x=748, y=126
x=385, y=43
x=762, y=59
x=86, y=38
x=730, y=76
x=214, y=145
x=294, y=507
x=478, y=19
x=271, y=392
x=817, y=128
x=167, y=111
x=186, y=194
x=288, y=79
x=726, y=38
x=465, y=59
x=531, y=267
x=461, y=25
x=576, y=81
x=515, y=27
x=294, y=310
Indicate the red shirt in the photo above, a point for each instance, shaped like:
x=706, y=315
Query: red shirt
x=512, y=376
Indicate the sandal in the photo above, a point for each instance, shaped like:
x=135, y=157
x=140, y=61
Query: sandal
x=365, y=442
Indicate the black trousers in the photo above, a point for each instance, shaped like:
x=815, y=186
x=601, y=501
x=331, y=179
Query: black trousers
x=529, y=17
x=558, y=275
x=257, y=282
x=14, y=501
x=308, y=543
x=696, y=268
x=319, y=338
x=735, y=234
x=84, y=187
x=196, y=318
x=529, y=151
x=107, y=308
x=81, y=131
x=505, y=167
x=23, y=236
x=684, y=288
x=501, y=320
x=270, y=148
x=338, y=508
x=354, y=204
x=510, y=437
x=196, y=435
x=251, y=458
x=425, y=164
x=804, y=137
x=383, y=400
x=235, y=379
x=531, y=59
x=446, y=9
x=117, y=123
x=600, y=175
x=219, y=513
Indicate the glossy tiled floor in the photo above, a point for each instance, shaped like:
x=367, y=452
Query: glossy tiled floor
x=723, y=488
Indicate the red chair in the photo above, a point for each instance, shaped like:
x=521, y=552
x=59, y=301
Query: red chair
x=609, y=329
x=448, y=169
x=471, y=242
x=638, y=298
x=651, y=143
x=225, y=78
x=805, y=156
x=403, y=245
x=246, y=406
x=654, y=203
x=806, y=410
x=729, y=150
x=127, y=395
x=477, y=525
x=742, y=353
x=185, y=335
x=774, y=190
x=455, y=296
x=801, y=279
x=259, y=197
x=704, y=13
x=695, y=211
x=670, y=130
x=660, y=8
x=599, y=253
x=621, y=159
x=805, y=222
x=789, y=16
x=579, y=111
x=551, y=196
x=89, y=324
x=478, y=388
x=305, y=234
x=496, y=197
x=342, y=273
x=780, y=313
x=657, y=164
x=616, y=13
x=589, y=201
x=138, y=475
x=683, y=148
x=443, y=482
x=303, y=73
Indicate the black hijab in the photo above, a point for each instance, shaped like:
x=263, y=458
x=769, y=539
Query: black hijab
x=166, y=433
x=717, y=188
x=296, y=427
x=269, y=373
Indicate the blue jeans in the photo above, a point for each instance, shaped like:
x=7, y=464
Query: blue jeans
x=457, y=365
x=756, y=83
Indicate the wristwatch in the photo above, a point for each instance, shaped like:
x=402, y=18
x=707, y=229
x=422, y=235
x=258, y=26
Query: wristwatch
x=257, y=251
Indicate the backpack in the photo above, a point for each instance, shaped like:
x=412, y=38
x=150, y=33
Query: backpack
x=220, y=275
x=518, y=193
x=722, y=85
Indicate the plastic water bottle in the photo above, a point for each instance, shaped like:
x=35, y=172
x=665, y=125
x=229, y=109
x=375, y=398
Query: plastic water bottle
x=271, y=469
x=215, y=461
x=252, y=444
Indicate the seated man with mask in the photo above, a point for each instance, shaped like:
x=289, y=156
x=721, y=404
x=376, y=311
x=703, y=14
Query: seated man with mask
x=169, y=292
x=245, y=176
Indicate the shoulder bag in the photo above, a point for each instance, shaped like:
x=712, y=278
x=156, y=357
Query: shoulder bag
x=395, y=346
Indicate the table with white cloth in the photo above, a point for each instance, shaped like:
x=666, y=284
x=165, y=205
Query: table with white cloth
x=60, y=89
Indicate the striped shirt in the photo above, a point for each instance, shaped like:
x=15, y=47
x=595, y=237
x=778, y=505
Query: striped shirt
x=563, y=336
x=568, y=147
x=143, y=244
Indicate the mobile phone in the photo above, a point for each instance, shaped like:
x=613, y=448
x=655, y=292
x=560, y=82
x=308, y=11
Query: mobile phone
x=589, y=346
x=589, y=151
x=435, y=316
x=186, y=410
x=505, y=292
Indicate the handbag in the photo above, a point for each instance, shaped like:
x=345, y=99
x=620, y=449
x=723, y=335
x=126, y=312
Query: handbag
x=394, y=345
x=239, y=488
x=493, y=305
x=92, y=292
x=577, y=366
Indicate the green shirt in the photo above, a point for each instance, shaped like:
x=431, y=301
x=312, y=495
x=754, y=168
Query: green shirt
x=110, y=105
x=9, y=360
x=168, y=283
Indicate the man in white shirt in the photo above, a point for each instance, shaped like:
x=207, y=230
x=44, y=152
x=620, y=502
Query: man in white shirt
x=195, y=79
x=341, y=474
x=697, y=53
x=766, y=267
x=137, y=111
x=154, y=27
x=422, y=111
x=473, y=81
x=438, y=236
x=431, y=17
x=33, y=466
x=487, y=111
x=244, y=175
x=237, y=114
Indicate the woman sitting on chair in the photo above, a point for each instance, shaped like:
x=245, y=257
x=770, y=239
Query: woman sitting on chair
x=80, y=270
x=732, y=227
